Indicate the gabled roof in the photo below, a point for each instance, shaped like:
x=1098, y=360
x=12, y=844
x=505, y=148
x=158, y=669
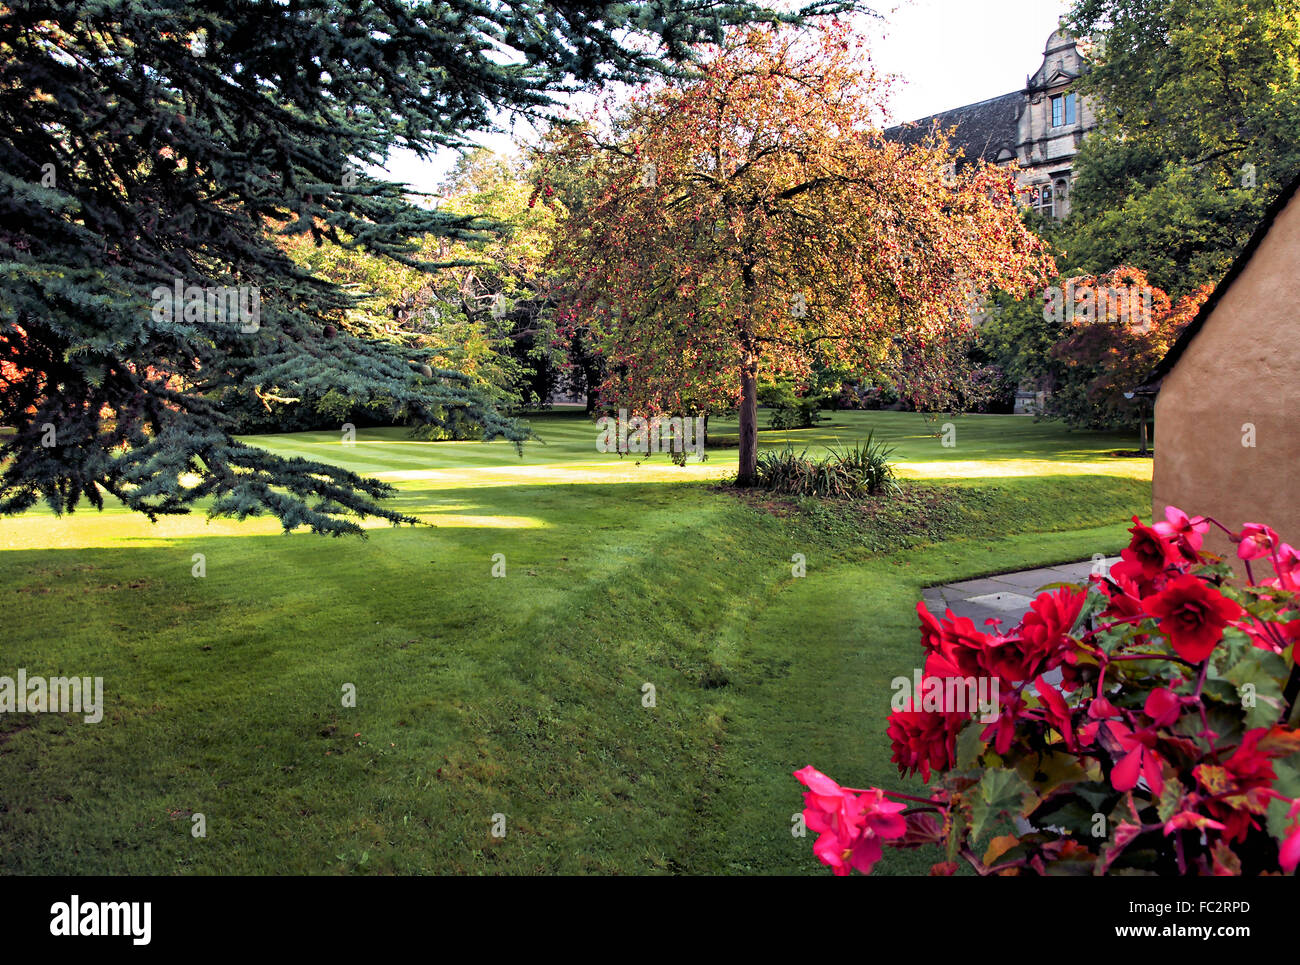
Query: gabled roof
x=1041, y=81
x=1152, y=384
x=983, y=130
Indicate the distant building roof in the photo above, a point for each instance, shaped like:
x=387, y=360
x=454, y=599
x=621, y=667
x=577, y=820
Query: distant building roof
x=985, y=131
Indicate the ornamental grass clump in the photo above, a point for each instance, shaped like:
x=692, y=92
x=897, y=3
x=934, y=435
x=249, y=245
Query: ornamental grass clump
x=851, y=473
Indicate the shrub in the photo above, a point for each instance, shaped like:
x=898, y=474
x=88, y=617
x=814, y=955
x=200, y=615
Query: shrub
x=988, y=389
x=1147, y=725
x=863, y=470
x=789, y=410
x=882, y=397
x=868, y=462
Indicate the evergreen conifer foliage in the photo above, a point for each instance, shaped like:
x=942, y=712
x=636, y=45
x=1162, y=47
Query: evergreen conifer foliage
x=150, y=150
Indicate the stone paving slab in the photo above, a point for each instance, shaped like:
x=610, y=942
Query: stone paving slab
x=1005, y=602
x=970, y=588
x=1004, y=597
x=1027, y=580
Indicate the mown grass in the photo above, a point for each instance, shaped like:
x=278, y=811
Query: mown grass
x=523, y=695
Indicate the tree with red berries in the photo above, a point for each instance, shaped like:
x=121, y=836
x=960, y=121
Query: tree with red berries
x=752, y=222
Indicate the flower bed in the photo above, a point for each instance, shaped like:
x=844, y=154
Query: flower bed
x=1147, y=723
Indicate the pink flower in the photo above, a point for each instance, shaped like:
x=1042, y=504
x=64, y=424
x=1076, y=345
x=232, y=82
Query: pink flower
x=1140, y=759
x=1288, y=560
x=851, y=824
x=1269, y=635
x=1289, y=854
x=1177, y=526
x=1286, y=564
x=1184, y=532
x=1255, y=540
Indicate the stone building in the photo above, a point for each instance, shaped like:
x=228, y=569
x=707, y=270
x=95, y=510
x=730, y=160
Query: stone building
x=1037, y=129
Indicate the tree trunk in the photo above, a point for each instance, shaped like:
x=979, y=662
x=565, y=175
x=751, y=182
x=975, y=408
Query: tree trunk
x=1144, y=434
x=748, y=425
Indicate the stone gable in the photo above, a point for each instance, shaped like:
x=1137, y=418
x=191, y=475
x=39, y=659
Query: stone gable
x=1037, y=129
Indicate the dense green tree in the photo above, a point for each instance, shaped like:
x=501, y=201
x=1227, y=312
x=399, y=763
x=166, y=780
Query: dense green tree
x=1199, y=104
x=151, y=146
x=1018, y=337
x=481, y=312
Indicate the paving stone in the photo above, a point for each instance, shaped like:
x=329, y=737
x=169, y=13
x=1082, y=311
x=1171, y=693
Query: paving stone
x=1004, y=602
x=1005, y=596
x=1075, y=574
x=1079, y=572
x=1028, y=579
x=970, y=588
x=978, y=613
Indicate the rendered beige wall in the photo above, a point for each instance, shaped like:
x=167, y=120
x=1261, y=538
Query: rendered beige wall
x=1243, y=367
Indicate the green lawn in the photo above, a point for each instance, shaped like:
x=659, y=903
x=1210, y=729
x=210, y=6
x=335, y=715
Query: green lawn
x=520, y=695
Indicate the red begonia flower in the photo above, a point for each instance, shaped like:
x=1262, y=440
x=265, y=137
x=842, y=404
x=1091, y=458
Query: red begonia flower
x=1141, y=759
x=1148, y=550
x=1241, y=788
x=957, y=640
x=1003, y=730
x=1055, y=711
x=1124, y=592
x=924, y=740
x=1043, y=631
x=1188, y=819
x=1163, y=707
x=1192, y=615
x=1289, y=854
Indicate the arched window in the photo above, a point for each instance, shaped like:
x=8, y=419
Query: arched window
x=1043, y=200
x=1062, y=197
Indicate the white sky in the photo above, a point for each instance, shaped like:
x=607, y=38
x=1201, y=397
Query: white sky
x=947, y=53
x=955, y=52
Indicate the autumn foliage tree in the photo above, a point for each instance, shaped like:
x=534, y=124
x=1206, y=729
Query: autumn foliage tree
x=753, y=222
x=1108, y=349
